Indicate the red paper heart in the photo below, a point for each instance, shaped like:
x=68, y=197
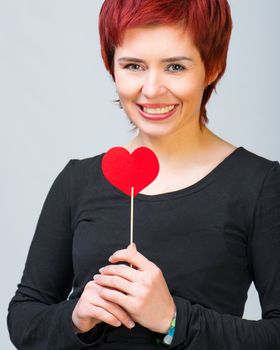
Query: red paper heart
x=125, y=170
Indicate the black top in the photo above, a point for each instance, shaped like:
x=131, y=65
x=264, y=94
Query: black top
x=211, y=240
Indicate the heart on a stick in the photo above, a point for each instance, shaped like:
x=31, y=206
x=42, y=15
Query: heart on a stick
x=125, y=170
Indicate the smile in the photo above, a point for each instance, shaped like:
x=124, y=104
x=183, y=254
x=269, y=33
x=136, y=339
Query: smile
x=157, y=112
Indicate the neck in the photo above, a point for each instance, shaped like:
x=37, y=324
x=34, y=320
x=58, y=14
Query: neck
x=173, y=148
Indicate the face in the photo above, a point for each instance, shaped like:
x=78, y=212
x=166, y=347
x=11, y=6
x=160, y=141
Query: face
x=160, y=79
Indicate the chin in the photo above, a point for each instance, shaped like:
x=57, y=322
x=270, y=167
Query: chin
x=155, y=132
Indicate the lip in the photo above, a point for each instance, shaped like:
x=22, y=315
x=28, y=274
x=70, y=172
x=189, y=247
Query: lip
x=158, y=117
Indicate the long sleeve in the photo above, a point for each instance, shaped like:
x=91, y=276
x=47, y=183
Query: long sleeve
x=39, y=315
x=198, y=327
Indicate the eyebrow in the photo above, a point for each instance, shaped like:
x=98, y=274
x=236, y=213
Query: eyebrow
x=170, y=59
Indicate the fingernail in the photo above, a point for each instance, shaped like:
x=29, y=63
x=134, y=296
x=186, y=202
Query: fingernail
x=95, y=277
x=110, y=259
x=131, y=324
x=101, y=269
x=118, y=324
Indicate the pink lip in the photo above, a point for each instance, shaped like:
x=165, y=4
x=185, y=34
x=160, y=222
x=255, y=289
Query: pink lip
x=161, y=117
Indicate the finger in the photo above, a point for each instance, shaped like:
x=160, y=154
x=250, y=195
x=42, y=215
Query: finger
x=101, y=314
x=114, y=282
x=121, y=270
x=132, y=256
x=115, y=296
x=111, y=313
x=117, y=312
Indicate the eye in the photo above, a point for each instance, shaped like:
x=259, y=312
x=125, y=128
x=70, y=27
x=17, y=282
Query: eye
x=176, y=67
x=132, y=66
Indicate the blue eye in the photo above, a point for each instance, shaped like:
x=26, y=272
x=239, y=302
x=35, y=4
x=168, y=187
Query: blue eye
x=178, y=67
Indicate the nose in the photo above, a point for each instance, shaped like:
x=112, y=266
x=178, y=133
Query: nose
x=153, y=85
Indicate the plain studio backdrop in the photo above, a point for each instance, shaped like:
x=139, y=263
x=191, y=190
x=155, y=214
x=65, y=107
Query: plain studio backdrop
x=56, y=104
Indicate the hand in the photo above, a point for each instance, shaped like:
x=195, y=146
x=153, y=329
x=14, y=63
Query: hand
x=141, y=291
x=92, y=309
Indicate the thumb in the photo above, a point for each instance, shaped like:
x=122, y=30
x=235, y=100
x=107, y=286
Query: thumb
x=132, y=246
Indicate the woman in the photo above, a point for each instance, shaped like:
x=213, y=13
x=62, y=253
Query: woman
x=204, y=230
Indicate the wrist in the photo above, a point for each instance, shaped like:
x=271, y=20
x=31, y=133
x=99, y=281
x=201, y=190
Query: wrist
x=170, y=315
x=76, y=330
x=169, y=330
x=83, y=331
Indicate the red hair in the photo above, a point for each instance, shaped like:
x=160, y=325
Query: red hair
x=208, y=21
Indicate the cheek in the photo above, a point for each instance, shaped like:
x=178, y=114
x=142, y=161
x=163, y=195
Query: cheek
x=189, y=91
x=127, y=92
x=126, y=86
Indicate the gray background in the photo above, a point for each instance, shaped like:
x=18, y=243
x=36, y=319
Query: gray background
x=56, y=105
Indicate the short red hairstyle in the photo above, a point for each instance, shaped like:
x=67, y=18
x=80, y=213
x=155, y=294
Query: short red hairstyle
x=208, y=21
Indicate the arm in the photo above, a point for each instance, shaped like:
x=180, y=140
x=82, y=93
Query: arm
x=39, y=314
x=198, y=327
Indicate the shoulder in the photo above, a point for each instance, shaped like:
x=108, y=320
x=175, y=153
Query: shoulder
x=253, y=163
x=86, y=164
x=255, y=171
x=78, y=173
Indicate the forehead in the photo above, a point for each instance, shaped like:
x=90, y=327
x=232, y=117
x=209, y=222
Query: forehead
x=157, y=39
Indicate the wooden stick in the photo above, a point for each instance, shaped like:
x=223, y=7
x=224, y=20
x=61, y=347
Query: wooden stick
x=131, y=217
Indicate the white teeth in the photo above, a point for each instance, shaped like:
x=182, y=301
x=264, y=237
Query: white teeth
x=158, y=110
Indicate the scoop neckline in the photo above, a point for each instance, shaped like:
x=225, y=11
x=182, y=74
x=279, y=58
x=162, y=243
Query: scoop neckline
x=185, y=190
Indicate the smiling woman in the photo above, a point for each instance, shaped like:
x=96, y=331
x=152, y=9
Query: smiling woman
x=205, y=229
